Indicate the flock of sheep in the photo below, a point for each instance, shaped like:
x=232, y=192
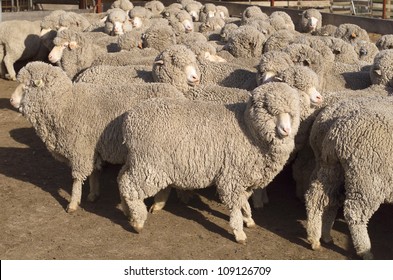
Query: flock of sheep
x=187, y=97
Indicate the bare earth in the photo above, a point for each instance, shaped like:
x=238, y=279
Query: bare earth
x=35, y=189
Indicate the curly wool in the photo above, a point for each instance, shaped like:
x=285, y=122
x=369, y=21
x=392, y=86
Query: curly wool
x=243, y=152
x=246, y=41
x=62, y=114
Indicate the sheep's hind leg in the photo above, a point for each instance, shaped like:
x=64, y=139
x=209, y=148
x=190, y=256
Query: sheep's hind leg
x=94, y=186
x=76, y=195
x=160, y=200
x=247, y=214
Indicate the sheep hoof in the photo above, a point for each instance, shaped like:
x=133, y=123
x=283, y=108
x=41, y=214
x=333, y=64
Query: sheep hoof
x=156, y=207
x=315, y=245
x=92, y=197
x=138, y=227
x=250, y=223
x=327, y=239
x=367, y=255
x=240, y=237
x=71, y=208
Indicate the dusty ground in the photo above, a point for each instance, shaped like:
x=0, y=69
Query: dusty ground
x=35, y=188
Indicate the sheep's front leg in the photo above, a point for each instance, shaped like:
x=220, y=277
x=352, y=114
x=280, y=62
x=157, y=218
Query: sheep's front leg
x=235, y=199
x=138, y=213
x=76, y=196
x=9, y=64
x=94, y=186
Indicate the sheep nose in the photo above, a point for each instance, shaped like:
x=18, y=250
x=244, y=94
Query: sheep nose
x=284, y=131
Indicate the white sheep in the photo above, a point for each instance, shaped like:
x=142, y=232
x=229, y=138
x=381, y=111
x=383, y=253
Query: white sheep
x=353, y=147
x=19, y=40
x=156, y=7
x=310, y=21
x=261, y=137
x=62, y=114
x=385, y=42
x=74, y=54
x=117, y=22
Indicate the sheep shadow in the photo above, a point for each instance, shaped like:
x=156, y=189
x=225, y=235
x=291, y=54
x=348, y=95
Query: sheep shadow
x=5, y=104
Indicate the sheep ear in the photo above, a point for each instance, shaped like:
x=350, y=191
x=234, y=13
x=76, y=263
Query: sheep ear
x=378, y=72
x=73, y=45
x=277, y=79
x=159, y=62
x=38, y=83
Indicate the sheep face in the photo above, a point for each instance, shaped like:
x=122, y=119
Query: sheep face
x=17, y=95
x=188, y=25
x=136, y=22
x=57, y=52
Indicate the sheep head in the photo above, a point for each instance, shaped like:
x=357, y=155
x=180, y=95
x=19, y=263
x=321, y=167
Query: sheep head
x=65, y=39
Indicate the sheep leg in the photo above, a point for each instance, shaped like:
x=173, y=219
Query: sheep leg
x=138, y=213
x=358, y=209
x=94, y=186
x=235, y=199
x=9, y=64
x=160, y=200
x=76, y=195
x=259, y=198
x=247, y=217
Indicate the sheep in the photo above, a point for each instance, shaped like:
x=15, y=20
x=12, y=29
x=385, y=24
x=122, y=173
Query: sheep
x=385, y=42
x=156, y=8
x=193, y=8
x=251, y=13
x=204, y=51
x=211, y=28
x=139, y=17
x=261, y=134
x=208, y=10
x=117, y=22
x=125, y=5
x=171, y=10
x=247, y=42
x=73, y=21
x=222, y=12
x=110, y=43
x=306, y=82
x=227, y=30
x=158, y=37
x=271, y=64
x=191, y=37
x=356, y=137
x=74, y=54
x=351, y=33
x=343, y=51
x=131, y=40
x=51, y=21
x=279, y=40
x=62, y=114
x=181, y=22
x=366, y=50
x=311, y=20
x=19, y=40
x=263, y=26
x=288, y=23
x=381, y=76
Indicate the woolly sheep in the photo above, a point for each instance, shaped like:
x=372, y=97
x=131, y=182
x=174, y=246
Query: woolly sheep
x=131, y=40
x=279, y=40
x=171, y=10
x=74, y=54
x=261, y=131
x=74, y=21
x=191, y=37
x=125, y=5
x=193, y=8
x=366, y=50
x=385, y=42
x=287, y=20
x=246, y=41
x=159, y=37
x=19, y=40
x=208, y=10
x=139, y=16
x=222, y=12
x=181, y=22
x=62, y=114
x=253, y=12
x=306, y=82
x=51, y=21
x=204, y=51
x=310, y=21
x=156, y=7
x=227, y=30
x=117, y=22
x=351, y=33
x=271, y=64
x=381, y=75
x=343, y=51
x=357, y=140
x=262, y=26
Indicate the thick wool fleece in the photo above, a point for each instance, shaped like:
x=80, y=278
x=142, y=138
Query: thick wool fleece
x=236, y=147
x=62, y=113
x=351, y=33
x=246, y=41
x=357, y=144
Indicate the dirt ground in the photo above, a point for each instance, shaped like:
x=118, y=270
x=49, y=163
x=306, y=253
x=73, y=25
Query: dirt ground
x=35, y=189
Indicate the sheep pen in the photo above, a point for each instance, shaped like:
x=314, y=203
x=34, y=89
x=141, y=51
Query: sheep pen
x=35, y=190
